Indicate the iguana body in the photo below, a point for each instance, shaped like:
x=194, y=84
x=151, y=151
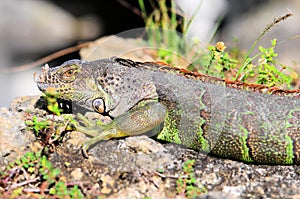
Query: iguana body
x=227, y=119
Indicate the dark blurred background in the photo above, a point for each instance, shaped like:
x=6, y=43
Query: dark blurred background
x=31, y=29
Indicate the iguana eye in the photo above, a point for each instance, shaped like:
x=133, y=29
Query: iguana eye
x=69, y=74
x=98, y=105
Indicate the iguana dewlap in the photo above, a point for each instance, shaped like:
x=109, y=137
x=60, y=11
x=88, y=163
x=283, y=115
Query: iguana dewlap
x=250, y=123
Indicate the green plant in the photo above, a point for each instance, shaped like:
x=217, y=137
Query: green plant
x=217, y=62
x=161, y=27
x=34, y=169
x=247, y=60
x=187, y=186
x=40, y=125
x=60, y=190
x=76, y=193
x=51, y=98
x=266, y=72
x=47, y=171
x=37, y=125
x=26, y=162
x=57, y=188
x=50, y=129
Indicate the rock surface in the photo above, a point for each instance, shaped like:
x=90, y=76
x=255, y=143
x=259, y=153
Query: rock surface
x=14, y=138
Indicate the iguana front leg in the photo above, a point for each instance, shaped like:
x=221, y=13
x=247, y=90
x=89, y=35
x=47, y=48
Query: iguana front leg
x=141, y=119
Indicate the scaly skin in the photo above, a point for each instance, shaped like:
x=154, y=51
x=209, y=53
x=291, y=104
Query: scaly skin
x=249, y=123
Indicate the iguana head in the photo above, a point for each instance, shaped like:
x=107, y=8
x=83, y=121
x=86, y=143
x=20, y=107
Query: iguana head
x=104, y=86
x=73, y=81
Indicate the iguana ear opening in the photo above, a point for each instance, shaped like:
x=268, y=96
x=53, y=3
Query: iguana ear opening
x=99, y=105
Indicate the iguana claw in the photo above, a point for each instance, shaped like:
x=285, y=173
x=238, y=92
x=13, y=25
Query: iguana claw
x=84, y=151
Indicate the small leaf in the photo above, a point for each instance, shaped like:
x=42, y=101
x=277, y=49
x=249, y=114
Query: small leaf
x=18, y=162
x=52, y=191
x=31, y=169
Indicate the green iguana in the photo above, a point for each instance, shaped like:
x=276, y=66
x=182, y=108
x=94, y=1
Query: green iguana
x=250, y=123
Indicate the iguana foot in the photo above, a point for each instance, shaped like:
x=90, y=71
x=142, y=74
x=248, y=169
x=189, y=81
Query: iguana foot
x=93, y=129
x=97, y=130
x=144, y=119
x=89, y=128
